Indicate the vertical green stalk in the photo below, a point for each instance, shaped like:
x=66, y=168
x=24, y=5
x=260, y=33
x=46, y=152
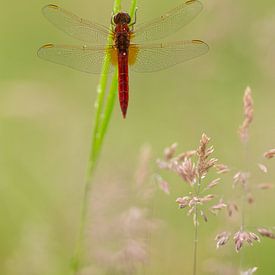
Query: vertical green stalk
x=196, y=235
x=244, y=188
x=195, y=255
x=243, y=204
x=243, y=200
x=133, y=8
x=101, y=122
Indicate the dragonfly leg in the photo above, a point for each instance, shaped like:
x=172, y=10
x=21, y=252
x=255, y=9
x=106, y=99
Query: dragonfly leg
x=135, y=19
x=112, y=19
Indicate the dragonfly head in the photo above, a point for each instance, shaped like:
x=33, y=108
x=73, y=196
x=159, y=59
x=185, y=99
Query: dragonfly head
x=122, y=18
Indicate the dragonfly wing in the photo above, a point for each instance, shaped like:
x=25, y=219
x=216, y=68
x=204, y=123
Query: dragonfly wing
x=169, y=23
x=75, y=26
x=85, y=59
x=160, y=56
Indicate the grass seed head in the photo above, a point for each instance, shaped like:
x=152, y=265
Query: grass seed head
x=266, y=233
x=270, y=154
x=248, y=115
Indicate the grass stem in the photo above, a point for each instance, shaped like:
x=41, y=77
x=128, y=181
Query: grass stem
x=103, y=112
x=196, y=234
x=195, y=255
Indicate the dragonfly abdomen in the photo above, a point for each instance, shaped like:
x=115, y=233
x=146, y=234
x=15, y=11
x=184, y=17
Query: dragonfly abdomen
x=122, y=43
x=123, y=81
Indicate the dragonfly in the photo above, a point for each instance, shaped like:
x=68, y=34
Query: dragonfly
x=130, y=43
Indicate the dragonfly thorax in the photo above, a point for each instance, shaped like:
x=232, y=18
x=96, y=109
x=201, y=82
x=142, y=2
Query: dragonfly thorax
x=122, y=31
x=122, y=37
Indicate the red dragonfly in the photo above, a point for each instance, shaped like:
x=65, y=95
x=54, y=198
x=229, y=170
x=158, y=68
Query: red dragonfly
x=125, y=48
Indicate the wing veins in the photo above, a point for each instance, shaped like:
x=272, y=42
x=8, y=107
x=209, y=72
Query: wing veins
x=76, y=26
x=171, y=22
x=85, y=59
x=159, y=56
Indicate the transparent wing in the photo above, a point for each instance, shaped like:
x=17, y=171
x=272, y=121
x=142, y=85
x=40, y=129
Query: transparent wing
x=169, y=23
x=85, y=59
x=160, y=56
x=75, y=26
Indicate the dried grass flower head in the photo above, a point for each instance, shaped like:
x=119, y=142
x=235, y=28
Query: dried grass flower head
x=248, y=115
x=222, y=238
x=204, y=163
x=270, y=154
x=266, y=233
x=193, y=166
x=240, y=238
x=243, y=179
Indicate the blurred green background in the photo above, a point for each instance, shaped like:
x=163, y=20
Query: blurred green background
x=46, y=114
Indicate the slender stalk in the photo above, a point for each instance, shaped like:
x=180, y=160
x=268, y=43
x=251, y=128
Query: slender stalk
x=101, y=122
x=244, y=189
x=93, y=155
x=108, y=110
x=133, y=8
x=195, y=255
x=196, y=235
x=99, y=104
x=243, y=201
x=243, y=204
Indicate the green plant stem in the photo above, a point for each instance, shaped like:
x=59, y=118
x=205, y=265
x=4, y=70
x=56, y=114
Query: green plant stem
x=109, y=108
x=195, y=255
x=243, y=205
x=196, y=235
x=243, y=201
x=133, y=8
x=244, y=189
x=94, y=153
x=101, y=122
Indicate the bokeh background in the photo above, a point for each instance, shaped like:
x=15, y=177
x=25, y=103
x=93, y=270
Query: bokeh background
x=46, y=116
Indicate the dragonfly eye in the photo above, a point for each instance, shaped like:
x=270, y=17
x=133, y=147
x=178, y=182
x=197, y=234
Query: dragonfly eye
x=128, y=18
x=122, y=18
